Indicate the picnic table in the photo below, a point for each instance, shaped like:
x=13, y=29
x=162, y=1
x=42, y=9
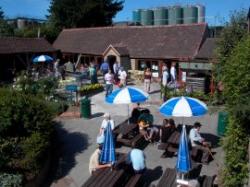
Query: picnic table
x=116, y=177
x=128, y=135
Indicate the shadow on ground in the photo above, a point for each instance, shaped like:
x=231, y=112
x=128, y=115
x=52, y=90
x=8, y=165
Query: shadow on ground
x=64, y=151
x=152, y=175
x=96, y=115
x=211, y=138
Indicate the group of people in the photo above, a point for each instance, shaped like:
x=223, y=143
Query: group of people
x=135, y=158
x=117, y=76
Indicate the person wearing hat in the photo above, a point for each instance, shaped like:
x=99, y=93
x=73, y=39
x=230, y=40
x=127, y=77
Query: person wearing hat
x=200, y=143
x=107, y=120
x=94, y=163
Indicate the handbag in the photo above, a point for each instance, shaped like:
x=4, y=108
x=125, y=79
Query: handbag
x=100, y=139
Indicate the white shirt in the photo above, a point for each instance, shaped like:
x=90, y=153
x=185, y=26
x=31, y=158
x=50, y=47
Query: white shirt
x=173, y=72
x=194, y=135
x=122, y=75
x=108, y=78
x=105, y=124
x=165, y=77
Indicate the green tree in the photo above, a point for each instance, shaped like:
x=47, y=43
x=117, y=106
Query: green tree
x=83, y=13
x=5, y=28
x=236, y=81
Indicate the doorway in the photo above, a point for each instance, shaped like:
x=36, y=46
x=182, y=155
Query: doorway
x=111, y=60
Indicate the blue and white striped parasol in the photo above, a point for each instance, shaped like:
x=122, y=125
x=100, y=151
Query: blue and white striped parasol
x=183, y=164
x=108, y=148
x=127, y=95
x=42, y=58
x=183, y=107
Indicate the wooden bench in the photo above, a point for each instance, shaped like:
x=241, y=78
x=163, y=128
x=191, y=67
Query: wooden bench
x=168, y=179
x=128, y=135
x=207, y=181
x=116, y=177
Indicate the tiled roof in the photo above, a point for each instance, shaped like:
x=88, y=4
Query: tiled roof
x=179, y=41
x=11, y=45
x=207, y=50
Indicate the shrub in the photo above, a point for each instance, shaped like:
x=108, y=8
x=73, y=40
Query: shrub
x=10, y=180
x=90, y=88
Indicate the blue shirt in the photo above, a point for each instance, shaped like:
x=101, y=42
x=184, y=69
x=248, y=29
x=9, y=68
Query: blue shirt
x=104, y=66
x=137, y=158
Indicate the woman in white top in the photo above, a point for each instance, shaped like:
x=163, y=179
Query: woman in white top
x=107, y=120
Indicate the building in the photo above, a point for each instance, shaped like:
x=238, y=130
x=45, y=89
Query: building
x=16, y=54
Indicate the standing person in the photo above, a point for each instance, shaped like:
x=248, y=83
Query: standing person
x=94, y=162
x=122, y=77
x=165, y=76
x=137, y=159
x=147, y=79
x=93, y=74
x=199, y=142
x=109, y=79
x=116, y=70
x=173, y=75
x=70, y=68
x=107, y=120
x=104, y=68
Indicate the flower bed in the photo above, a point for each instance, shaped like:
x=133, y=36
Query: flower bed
x=90, y=89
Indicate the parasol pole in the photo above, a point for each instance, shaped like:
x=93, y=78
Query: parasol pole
x=128, y=113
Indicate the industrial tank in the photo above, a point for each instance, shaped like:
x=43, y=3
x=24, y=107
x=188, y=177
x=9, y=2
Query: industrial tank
x=161, y=16
x=137, y=16
x=190, y=14
x=147, y=17
x=21, y=23
x=175, y=15
x=201, y=13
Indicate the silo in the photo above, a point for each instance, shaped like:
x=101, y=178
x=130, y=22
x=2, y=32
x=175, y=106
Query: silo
x=21, y=23
x=161, y=16
x=190, y=14
x=201, y=13
x=175, y=15
x=137, y=16
x=147, y=17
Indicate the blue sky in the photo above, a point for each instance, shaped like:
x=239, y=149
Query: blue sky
x=216, y=10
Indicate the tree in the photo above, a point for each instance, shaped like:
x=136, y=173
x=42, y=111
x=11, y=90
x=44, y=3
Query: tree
x=5, y=28
x=236, y=81
x=83, y=13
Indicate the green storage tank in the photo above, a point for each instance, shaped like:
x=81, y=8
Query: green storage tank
x=201, y=13
x=161, y=16
x=190, y=14
x=175, y=15
x=136, y=16
x=147, y=17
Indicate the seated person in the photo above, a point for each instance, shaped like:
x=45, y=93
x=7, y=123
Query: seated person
x=94, y=163
x=107, y=120
x=135, y=114
x=153, y=131
x=143, y=129
x=167, y=128
x=136, y=158
x=199, y=142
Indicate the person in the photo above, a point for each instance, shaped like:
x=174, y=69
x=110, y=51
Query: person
x=199, y=142
x=167, y=128
x=104, y=67
x=147, y=79
x=107, y=120
x=116, y=70
x=122, y=76
x=93, y=74
x=56, y=68
x=109, y=79
x=94, y=163
x=136, y=112
x=69, y=66
x=173, y=75
x=137, y=159
x=165, y=76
